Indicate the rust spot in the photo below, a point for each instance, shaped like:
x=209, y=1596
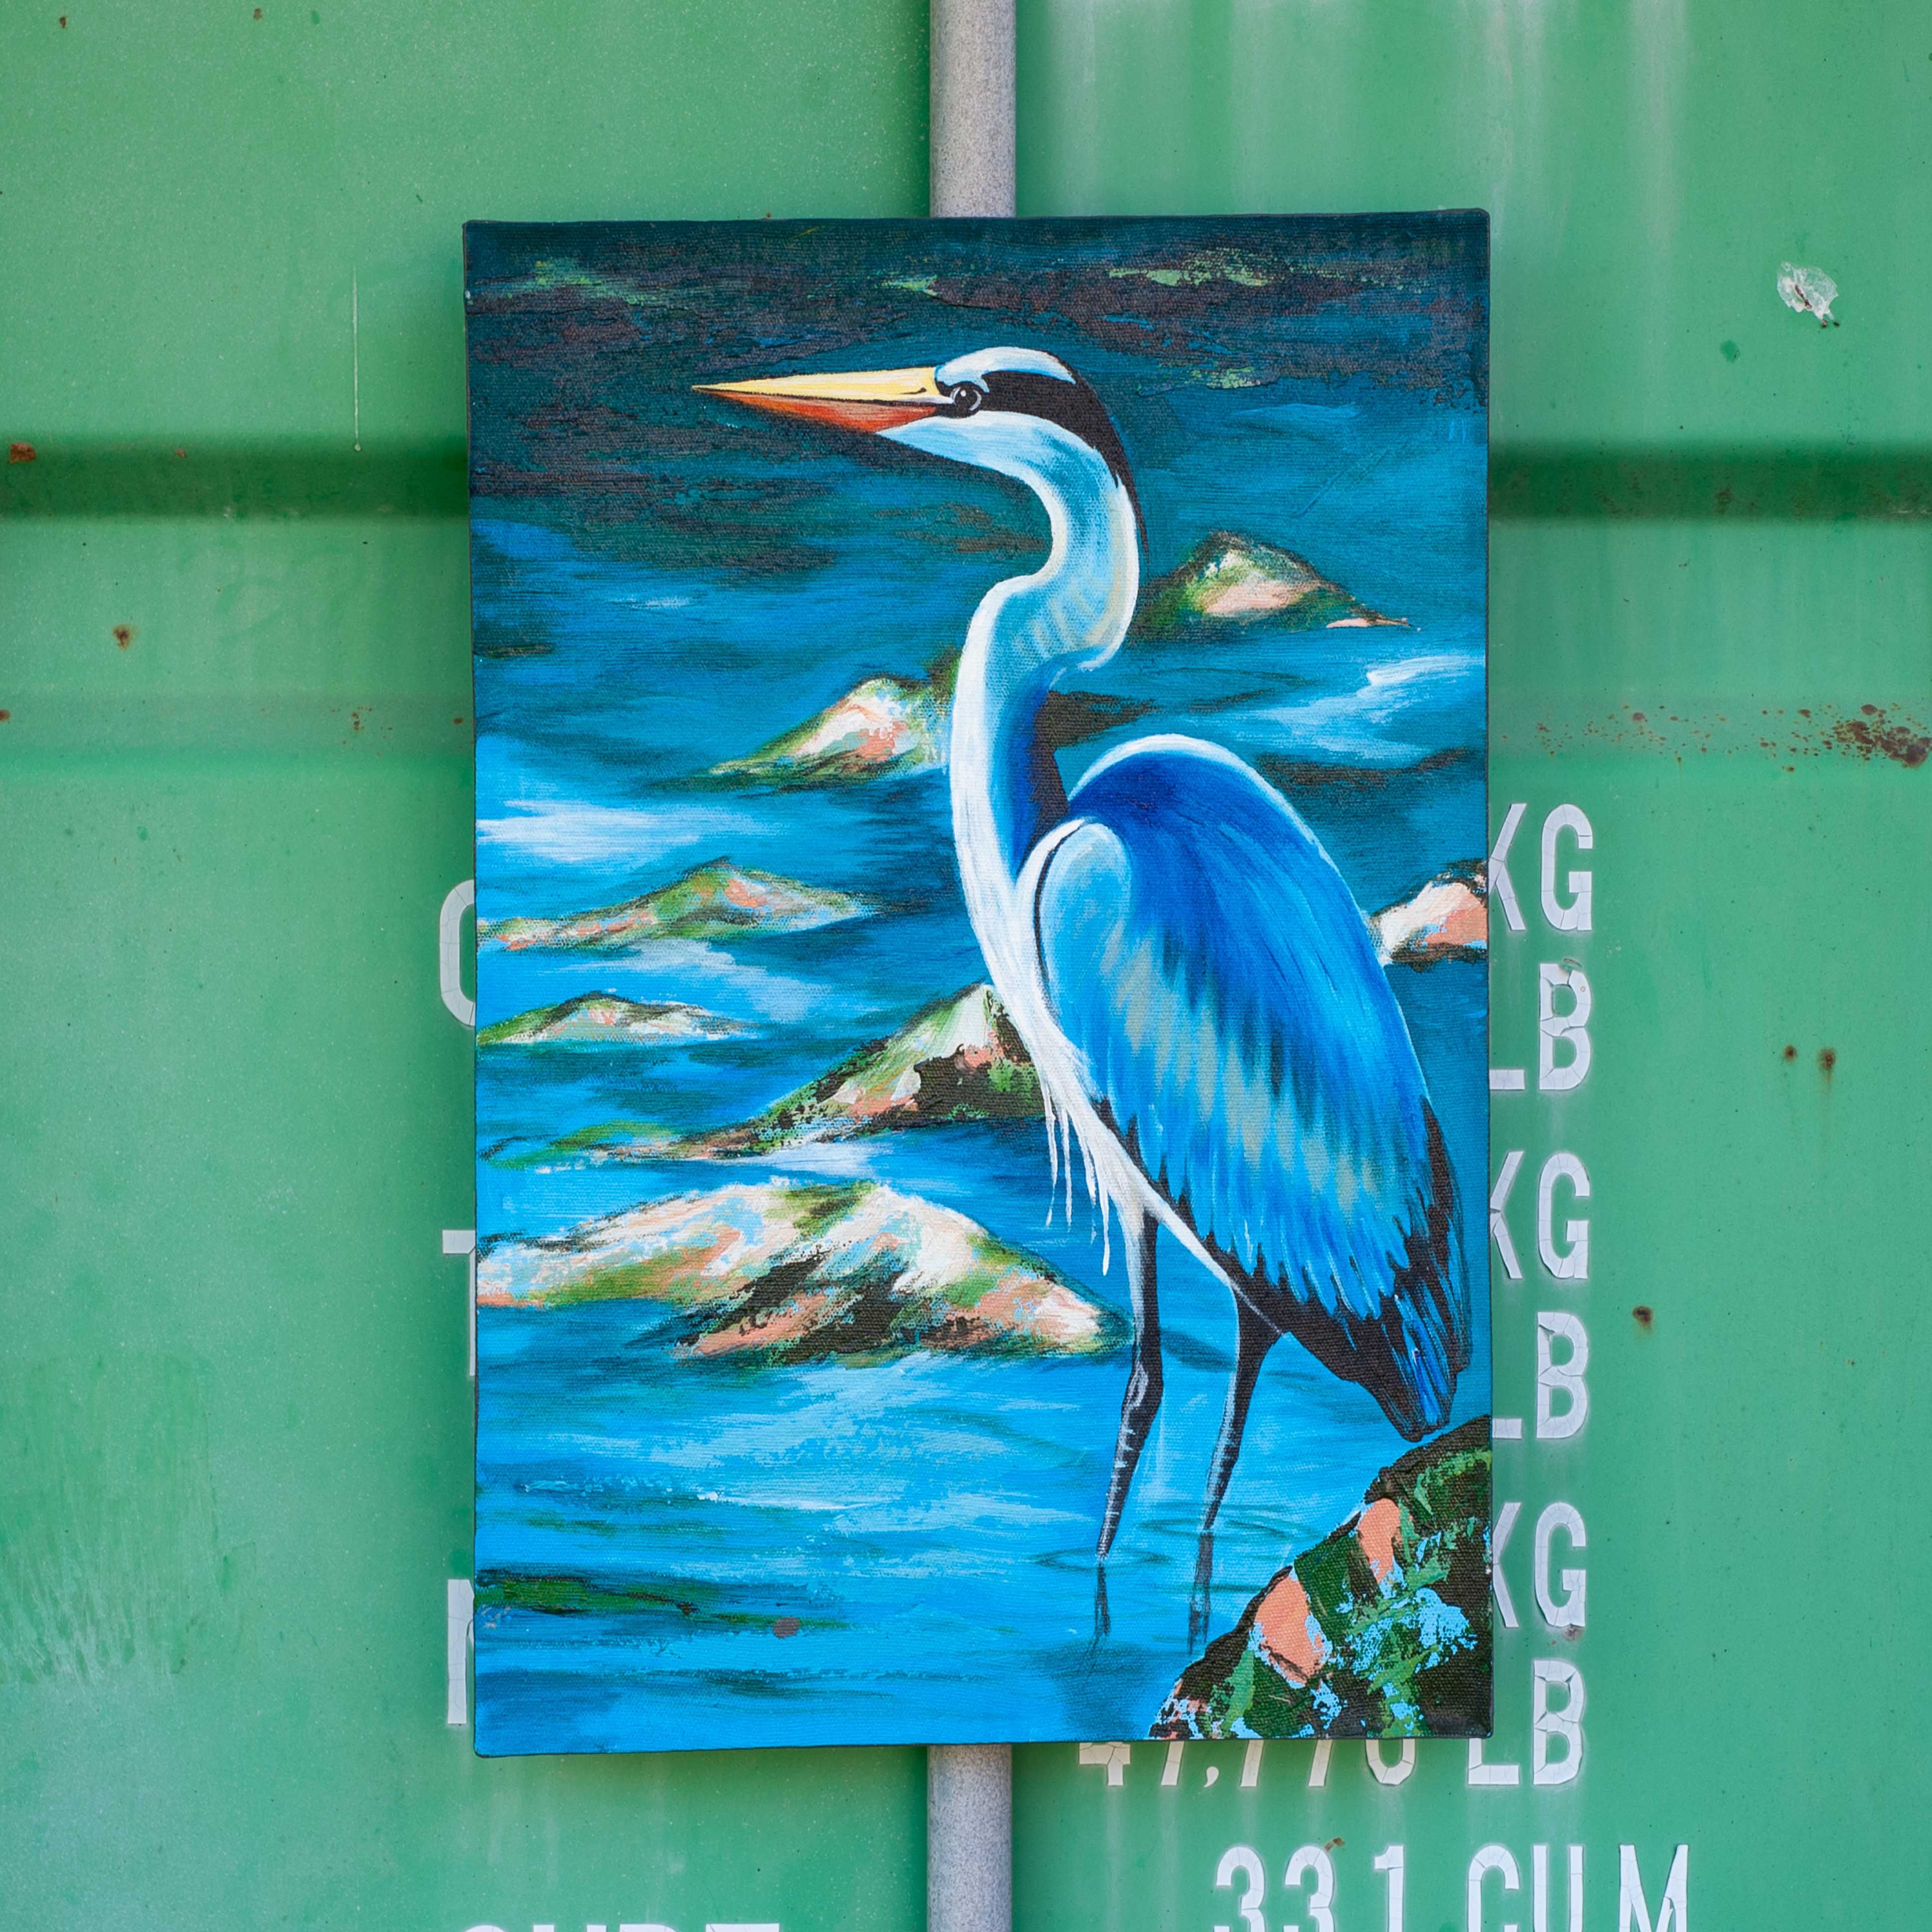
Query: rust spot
x=1333, y=1845
x=456, y=721
x=1828, y=1058
x=258, y=12
x=1645, y=1314
x=21, y=452
x=785, y=1626
x=1791, y=1053
x=124, y=634
x=4, y=716
x=1870, y=732
x=1880, y=735
x=181, y=452
x=63, y=19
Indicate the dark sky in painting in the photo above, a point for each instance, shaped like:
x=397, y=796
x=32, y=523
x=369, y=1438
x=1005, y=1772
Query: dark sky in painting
x=585, y=344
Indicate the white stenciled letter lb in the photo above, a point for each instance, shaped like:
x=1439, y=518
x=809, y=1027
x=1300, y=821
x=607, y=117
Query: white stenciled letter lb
x=1564, y=1379
x=1568, y=1031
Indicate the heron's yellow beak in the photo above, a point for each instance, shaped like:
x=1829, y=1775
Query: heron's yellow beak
x=864, y=399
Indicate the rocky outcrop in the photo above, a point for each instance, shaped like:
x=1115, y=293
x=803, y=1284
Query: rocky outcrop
x=1447, y=917
x=782, y=1271
x=1231, y=579
x=889, y=726
x=1382, y=1630
x=956, y=1060
x=716, y=900
x=600, y=1019
x=884, y=724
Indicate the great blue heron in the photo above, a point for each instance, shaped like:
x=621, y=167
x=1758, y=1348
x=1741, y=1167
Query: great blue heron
x=1196, y=986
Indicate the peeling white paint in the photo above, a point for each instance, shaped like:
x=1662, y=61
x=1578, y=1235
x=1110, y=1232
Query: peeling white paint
x=1808, y=292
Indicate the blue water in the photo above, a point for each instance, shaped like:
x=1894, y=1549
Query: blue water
x=927, y=1526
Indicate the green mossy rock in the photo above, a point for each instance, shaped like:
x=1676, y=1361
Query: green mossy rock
x=957, y=1060
x=608, y=1019
x=884, y=725
x=1382, y=1630
x=716, y=900
x=1235, y=579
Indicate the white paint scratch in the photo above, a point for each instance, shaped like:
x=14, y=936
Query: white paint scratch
x=1808, y=292
x=355, y=355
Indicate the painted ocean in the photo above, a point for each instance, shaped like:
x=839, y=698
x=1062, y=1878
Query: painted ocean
x=800, y=1355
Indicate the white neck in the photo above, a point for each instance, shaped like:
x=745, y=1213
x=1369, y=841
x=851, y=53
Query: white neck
x=1069, y=615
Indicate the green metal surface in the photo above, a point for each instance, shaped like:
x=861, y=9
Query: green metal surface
x=234, y=1115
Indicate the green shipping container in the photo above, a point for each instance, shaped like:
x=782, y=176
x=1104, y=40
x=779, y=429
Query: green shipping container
x=234, y=1110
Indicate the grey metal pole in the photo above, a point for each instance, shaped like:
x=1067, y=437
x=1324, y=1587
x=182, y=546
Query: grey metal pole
x=969, y=1838
x=972, y=107
x=969, y=1788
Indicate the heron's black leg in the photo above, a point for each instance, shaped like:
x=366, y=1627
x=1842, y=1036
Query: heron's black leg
x=1200, y=1603
x=1254, y=1338
x=1143, y=1395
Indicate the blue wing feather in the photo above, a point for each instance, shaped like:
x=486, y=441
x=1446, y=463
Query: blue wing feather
x=1202, y=954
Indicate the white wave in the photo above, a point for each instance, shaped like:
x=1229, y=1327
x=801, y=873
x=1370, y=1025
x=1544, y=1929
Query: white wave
x=570, y=831
x=1407, y=670
x=1345, y=724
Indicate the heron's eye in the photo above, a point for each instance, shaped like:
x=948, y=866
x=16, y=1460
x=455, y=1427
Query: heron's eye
x=965, y=399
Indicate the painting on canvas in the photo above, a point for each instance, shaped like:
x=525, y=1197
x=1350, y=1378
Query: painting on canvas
x=981, y=1097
